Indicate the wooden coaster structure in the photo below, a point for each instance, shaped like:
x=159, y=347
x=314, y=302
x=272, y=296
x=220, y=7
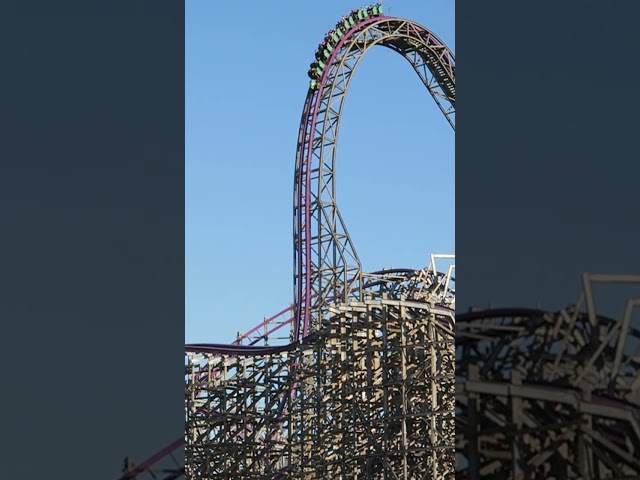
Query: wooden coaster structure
x=549, y=395
x=369, y=396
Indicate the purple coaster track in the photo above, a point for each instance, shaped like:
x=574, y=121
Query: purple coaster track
x=326, y=262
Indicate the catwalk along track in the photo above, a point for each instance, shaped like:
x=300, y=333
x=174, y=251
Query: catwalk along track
x=356, y=379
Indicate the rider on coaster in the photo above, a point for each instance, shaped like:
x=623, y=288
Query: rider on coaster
x=332, y=38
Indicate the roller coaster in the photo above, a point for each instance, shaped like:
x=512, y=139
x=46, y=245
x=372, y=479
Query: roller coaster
x=362, y=378
x=354, y=380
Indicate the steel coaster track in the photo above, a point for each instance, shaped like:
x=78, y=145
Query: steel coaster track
x=326, y=262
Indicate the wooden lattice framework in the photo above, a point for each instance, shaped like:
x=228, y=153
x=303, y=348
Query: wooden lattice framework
x=549, y=395
x=369, y=396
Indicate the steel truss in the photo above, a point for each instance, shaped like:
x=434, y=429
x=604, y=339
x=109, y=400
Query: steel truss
x=369, y=396
x=327, y=266
x=549, y=395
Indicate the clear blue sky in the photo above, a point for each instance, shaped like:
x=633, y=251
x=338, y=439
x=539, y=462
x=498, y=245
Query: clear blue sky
x=246, y=83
